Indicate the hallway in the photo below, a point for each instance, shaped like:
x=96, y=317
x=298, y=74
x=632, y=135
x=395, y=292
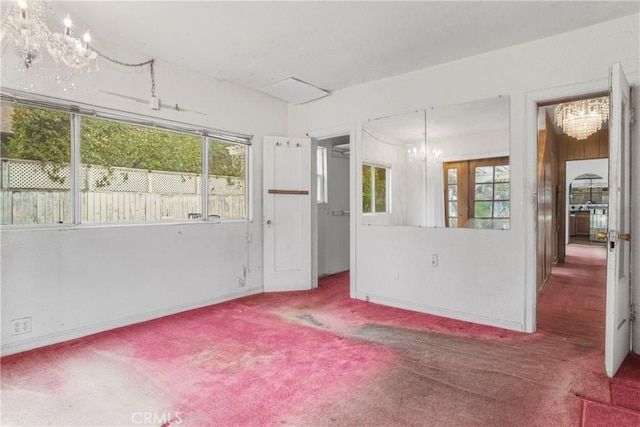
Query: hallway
x=572, y=306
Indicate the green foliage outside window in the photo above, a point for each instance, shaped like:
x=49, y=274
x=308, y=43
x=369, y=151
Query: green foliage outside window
x=377, y=190
x=45, y=135
x=366, y=188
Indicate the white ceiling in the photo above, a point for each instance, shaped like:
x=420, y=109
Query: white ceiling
x=331, y=45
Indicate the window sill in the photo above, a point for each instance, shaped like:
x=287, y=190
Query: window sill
x=64, y=227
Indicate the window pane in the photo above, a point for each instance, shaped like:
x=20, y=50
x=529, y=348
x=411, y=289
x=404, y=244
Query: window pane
x=484, y=192
x=480, y=223
x=453, y=209
x=132, y=173
x=227, y=183
x=502, y=173
x=381, y=189
x=500, y=224
x=501, y=209
x=483, y=209
x=366, y=188
x=502, y=192
x=453, y=222
x=35, y=171
x=452, y=176
x=321, y=174
x=452, y=192
x=484, y=174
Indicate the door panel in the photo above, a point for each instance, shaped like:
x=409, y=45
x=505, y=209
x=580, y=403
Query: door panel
x=618, y=328
x=287, y=203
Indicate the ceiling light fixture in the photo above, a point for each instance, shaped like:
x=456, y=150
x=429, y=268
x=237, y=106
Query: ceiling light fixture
x=581, y=119
x=24, y=26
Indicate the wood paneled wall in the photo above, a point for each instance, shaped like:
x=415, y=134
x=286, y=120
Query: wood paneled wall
x=547, y=218
x=594, y=147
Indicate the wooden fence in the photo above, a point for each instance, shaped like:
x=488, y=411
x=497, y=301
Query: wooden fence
x=50, y=205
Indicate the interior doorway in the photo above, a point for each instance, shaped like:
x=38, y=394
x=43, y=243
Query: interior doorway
x=587, y=184
x=333, y=223
x=572, y=183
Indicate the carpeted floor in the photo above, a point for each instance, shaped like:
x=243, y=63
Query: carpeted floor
x=319, y=358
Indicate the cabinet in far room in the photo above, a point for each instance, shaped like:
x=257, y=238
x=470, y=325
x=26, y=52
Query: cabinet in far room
x=582, y=224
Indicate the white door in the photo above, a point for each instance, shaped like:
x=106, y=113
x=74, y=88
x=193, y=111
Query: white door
x=618, y=328
x=287, y=221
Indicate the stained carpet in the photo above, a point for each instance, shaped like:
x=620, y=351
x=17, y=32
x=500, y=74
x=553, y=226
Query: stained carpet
x=318, y=358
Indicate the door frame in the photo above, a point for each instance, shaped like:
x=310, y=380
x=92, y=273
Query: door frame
x=332, y=132
x=530, y=161
x=550, y=95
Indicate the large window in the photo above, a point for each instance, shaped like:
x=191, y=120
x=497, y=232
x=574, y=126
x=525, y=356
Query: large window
x=375, y=188
x=125, y=172
x=477, y=193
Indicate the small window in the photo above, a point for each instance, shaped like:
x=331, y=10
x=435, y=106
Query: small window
x=375, y=189
x=491, y=190
x=321, y=171
x=477, y=193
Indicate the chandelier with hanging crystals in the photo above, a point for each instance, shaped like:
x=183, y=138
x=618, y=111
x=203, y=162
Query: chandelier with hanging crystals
x=24, y=27
x=581, y=119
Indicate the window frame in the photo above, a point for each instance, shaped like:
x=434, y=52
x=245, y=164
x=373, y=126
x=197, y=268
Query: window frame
x=76, y=112
x=462, y=199
x=322, y=183
x=387, y=169
x=466, y=188
x=493, y=162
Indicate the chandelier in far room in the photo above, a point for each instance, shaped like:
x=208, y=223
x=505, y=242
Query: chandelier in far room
x=24, y=28
x=581, y=119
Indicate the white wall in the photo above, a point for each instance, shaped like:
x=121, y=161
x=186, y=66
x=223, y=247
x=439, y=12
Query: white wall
x=74, y=280
x=481, y=274
x=333, y=230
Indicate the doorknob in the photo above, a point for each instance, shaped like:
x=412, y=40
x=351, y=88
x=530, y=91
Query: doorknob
x=268, y=222
x=621, y=236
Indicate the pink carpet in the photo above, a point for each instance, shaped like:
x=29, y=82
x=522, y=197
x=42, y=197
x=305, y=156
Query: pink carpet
x=600, y=415
x=320, y=358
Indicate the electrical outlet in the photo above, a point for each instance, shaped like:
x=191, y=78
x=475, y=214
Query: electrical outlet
x=434, y=260
x=21, y=326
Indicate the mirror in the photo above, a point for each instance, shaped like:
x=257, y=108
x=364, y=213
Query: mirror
x=442, y=167
x=468, y=175
x=393, y=170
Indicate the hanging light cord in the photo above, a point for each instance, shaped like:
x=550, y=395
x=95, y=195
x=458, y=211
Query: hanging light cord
x=133, y=65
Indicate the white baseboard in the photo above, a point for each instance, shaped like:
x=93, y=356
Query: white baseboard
x=71, y=334
x=443, y=312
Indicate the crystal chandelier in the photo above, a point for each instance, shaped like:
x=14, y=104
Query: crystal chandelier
x=416, y=154
x=24, y=26
x=581, y=119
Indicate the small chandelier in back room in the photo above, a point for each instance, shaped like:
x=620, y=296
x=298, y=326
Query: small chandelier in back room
x=24, y=27
x=581, y=119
